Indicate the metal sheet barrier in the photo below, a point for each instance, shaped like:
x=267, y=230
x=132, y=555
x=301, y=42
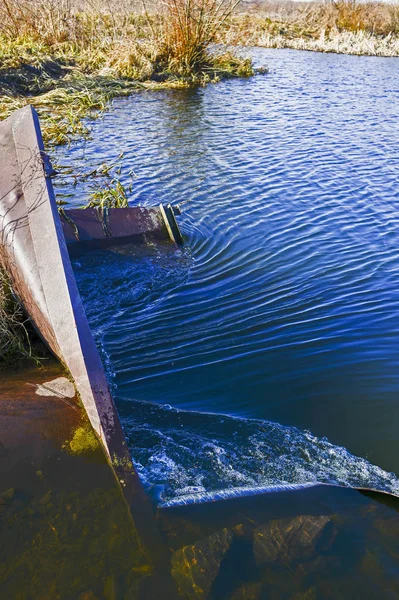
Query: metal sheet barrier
x=34, y=253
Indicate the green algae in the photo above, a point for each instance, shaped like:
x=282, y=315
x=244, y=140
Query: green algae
x=49, y=536
x=122, y=462
x=83, y=440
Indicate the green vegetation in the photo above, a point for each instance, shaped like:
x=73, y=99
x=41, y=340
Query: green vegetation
x=83, y=440
x=122, y=463
x=112, y=195
x=108, y=190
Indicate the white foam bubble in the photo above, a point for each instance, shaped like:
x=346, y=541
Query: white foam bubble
x=194, y=457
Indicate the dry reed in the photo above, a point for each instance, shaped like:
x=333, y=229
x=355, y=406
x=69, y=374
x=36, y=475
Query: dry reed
x=342, y=26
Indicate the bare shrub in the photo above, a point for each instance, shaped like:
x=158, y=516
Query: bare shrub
x=47, y=20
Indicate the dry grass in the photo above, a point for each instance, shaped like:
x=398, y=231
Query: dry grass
x=343, y=26
x=346, y=42
x=17, y=340
x=189, y=27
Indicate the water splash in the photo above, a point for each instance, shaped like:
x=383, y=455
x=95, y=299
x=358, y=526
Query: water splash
x=185, y=456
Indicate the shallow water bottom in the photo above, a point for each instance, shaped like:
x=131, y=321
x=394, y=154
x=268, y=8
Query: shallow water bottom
x=66, y=532
x=64, y=528
x=318, y=543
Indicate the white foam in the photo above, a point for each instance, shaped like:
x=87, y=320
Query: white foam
x=191, y=457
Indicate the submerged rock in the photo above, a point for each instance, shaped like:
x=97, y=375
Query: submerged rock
x=248, y=591
x=6, y=498
x=317, y=565
x=309, y=594
x=60, y=388
x=196, y=567
x=286, y=540
x=7, y=495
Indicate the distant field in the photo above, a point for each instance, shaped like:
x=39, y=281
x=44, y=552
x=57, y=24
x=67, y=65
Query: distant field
x=348, y=27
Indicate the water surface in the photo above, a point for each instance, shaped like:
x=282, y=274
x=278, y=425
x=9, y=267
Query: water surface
x=280, y=317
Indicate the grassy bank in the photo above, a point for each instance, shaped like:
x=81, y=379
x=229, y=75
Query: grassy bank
x=344, y=26
x=69, y=61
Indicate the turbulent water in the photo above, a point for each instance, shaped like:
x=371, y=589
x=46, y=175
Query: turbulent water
x=282, y=310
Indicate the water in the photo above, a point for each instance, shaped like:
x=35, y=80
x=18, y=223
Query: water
x=62, y=516
x=279, y=318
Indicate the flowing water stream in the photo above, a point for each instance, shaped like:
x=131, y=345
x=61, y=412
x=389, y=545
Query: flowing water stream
x=266, y=351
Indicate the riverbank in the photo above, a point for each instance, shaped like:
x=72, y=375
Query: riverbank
x=69, y=64
x=66, y=86
x=69, y=61
x=360, y=43
x=343, y=27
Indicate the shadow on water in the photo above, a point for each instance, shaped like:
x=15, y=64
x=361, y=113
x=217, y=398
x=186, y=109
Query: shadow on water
x=318, y=543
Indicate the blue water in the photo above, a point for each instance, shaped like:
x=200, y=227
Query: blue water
x=281, y=314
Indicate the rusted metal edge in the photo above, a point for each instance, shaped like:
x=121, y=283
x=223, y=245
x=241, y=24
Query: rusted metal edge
x=93, y=228
x=34, y=253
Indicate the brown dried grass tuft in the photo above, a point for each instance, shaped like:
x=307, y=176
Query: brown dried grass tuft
x=189, y=28
x=17, y=341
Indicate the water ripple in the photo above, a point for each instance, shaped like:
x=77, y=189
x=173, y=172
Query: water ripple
x=284, y=305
